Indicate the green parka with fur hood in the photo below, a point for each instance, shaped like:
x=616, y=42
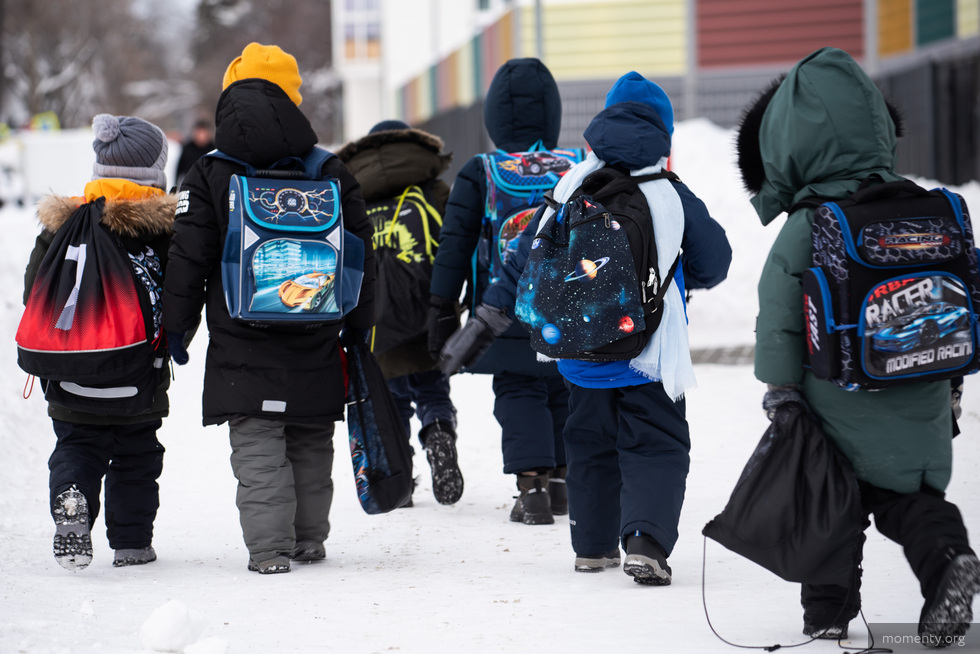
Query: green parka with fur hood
x=826, y=128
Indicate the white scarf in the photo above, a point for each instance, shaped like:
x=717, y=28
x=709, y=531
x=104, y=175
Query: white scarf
x=667, y=356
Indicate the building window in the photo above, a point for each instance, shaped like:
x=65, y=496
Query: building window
x=362, y=29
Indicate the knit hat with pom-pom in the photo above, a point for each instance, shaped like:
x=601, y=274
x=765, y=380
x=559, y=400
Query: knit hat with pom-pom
x=129, y=148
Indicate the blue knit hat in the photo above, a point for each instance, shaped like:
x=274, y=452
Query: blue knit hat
x=633, y=87
x=386, y=125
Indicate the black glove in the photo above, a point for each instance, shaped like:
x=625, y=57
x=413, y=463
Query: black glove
x=778, y=396
x=443, y=321
x=468, y=344
x=177, y=343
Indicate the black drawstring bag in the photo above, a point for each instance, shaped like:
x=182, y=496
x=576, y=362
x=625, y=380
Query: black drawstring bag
x=380, y=452
x=796, y=509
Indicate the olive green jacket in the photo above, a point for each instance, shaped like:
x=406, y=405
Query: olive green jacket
x=826, y=129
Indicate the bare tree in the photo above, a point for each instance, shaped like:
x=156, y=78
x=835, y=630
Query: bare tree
x=78, y=58
x=300, y=27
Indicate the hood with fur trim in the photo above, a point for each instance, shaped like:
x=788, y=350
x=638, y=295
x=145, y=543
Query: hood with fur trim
x=817, y=132
x=132, y=218
x=386, y=162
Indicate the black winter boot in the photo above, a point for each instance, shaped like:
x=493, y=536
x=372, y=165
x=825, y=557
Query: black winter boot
x=646, y=561
x=440, y=449
x=533, y=506
x=948, y=613
x=72, y=539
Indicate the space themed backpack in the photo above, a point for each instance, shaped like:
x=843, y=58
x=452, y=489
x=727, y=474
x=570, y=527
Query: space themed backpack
x=892, y=294
x=516, y=184
x=287, y=257
x=590, y=289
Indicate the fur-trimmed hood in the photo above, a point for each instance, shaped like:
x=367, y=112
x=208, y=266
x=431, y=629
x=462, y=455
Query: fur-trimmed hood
x=386, y=162
x=818, y=131
x=134, y=218
x=378, y=139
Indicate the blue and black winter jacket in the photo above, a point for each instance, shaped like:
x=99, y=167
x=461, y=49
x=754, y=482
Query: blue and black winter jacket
x=631, y=135
x=522, y=107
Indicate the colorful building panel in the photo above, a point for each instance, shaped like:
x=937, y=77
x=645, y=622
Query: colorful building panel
x=462, y=77
x=601, y=40
x=935, y=20
x=894, y=27
x=752, y=32
x=967, y=18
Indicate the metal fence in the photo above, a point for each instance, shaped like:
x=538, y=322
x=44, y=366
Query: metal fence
x=937, y=93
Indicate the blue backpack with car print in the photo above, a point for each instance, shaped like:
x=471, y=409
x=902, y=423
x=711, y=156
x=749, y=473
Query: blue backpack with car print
x=893, y=292
x=516, y=184
x=287, y=257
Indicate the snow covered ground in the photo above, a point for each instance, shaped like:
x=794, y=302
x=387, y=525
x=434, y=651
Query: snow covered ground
x=432, y=578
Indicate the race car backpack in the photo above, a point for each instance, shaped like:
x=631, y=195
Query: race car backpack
x=287, y=257
x=516, y=184
x=892, y=294
x=91, y=327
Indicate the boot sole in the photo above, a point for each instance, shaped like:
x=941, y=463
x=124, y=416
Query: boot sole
x=950, y=617
x=447, y=480
x=134, y=557
x=72, y=544
x=592, y=565
x=646, y=571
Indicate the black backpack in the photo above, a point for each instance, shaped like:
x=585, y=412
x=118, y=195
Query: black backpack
x=590, y=289
x=91, y=328
x=892, y=294
x=796, y=509
x=406, y=235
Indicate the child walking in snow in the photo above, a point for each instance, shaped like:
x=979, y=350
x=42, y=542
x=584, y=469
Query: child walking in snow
x=280, y=389
x=127, y=189
x=387, y=163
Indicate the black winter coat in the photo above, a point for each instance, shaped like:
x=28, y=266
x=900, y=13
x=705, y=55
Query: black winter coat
x=522, y=107
x=289, y=373
x=385, y=164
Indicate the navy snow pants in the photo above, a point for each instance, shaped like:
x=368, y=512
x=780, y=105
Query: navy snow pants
x=129, y=457
x=429, y=393
x=628, y=452
x=532, y=412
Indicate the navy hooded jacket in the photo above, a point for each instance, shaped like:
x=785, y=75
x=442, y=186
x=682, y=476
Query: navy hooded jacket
x=522, y=107
x=632, y=135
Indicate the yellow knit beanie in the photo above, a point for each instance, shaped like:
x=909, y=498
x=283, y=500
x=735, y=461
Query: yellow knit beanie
x=268, y=62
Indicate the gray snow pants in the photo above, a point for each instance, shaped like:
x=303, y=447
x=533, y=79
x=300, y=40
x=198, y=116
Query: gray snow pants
x=284, y=485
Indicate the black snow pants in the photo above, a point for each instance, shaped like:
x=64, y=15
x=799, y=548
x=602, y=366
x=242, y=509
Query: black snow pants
x=930, y=531
x=129, y=457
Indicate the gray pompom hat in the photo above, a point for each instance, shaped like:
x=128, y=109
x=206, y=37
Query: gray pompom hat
x=129, y=148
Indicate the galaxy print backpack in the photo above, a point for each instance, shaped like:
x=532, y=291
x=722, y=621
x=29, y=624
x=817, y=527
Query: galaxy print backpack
x=590, y=288
x=893, y=291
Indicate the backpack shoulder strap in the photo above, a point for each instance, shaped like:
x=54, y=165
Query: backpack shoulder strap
x=312, y=164
x=610, y=180
x=250, y=170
